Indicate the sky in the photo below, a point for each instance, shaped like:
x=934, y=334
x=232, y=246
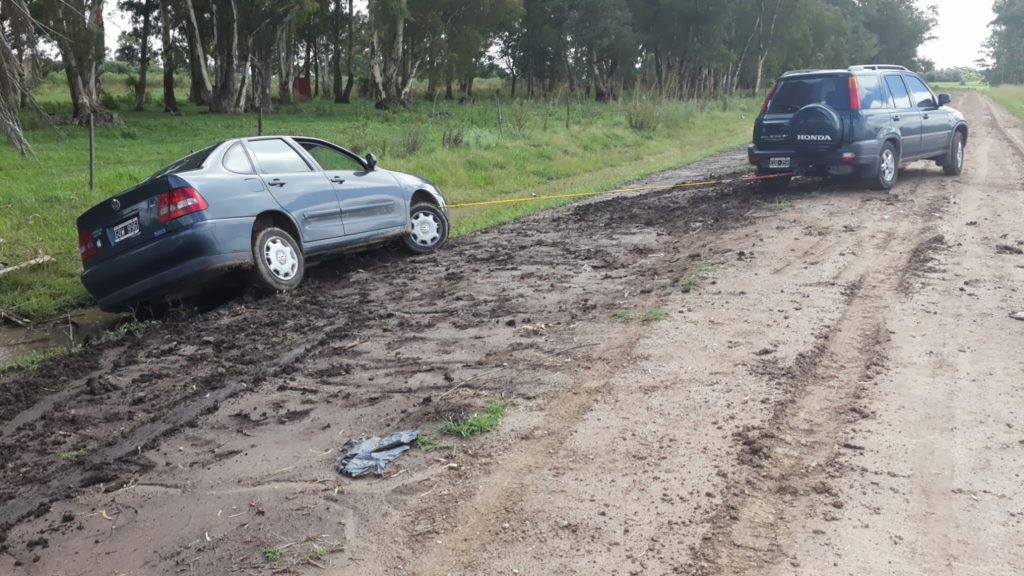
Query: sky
x=961, y=33
x=959, y=37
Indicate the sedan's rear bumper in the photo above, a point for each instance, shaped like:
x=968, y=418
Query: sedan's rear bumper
x=174, y=265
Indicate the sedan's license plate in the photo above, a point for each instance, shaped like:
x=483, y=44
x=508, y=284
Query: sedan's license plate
x=778, y=163
x=126, y=230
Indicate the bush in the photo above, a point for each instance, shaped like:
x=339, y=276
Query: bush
x=481, y=139
x=411, y=142
x=453, y=137
x=643, y=117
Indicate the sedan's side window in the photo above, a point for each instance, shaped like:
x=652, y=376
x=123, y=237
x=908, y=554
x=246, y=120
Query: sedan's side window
x=236, y=160
x=275, y=156
x=900, y=96
x=330, y=159
x=921, y=94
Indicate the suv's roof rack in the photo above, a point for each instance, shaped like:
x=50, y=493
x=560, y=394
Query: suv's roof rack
x=806, y=71
x=880, y=67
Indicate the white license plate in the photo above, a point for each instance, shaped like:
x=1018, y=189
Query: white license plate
x=778, y=162
x=126, y=230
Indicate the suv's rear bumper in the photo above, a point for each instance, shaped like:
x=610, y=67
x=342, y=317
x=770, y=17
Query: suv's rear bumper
x=862, y=155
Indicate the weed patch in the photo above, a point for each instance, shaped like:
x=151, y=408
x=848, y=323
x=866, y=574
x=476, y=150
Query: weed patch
x=477, y=424
x=695, y=277
x=641, y=314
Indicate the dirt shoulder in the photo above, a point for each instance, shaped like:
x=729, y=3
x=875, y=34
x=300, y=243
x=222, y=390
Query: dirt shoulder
x=834, y=368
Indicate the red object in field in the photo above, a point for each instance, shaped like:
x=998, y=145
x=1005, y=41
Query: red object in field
x=301, y=88
x=179, y=202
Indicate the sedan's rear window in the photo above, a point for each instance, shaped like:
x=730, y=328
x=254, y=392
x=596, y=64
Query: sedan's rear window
x=795, y=93
x=193, y=161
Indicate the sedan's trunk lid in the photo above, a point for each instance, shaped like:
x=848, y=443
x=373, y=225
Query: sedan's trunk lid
x=124, y=221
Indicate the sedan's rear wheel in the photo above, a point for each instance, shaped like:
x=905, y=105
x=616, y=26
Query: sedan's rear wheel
x=428, y=230
x=279, y=261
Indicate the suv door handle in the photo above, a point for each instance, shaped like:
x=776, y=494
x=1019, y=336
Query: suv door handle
x=338, y=180
x=276, y=182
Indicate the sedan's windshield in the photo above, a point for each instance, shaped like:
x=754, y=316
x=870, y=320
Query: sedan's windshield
x=793, y=94
x=193, y=161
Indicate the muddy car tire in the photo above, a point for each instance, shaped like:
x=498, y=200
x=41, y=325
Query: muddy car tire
x=279, y=261
x=428, y=229
x=888, y=172
x=954, y=163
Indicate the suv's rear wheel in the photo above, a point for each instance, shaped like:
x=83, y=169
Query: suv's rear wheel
x=954, y=163
x=888, y=168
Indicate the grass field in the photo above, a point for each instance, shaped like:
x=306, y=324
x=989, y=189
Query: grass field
x=533, y=153
x=1011, y=97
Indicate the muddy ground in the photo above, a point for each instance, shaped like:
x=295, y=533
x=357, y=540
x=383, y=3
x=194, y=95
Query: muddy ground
x=835, y=388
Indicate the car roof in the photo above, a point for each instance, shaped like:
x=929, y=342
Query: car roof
x=852, y=70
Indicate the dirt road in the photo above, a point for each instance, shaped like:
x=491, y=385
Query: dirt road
x=835, y=388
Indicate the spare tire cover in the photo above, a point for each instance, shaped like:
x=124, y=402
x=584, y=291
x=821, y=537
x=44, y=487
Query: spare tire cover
x=816, y=128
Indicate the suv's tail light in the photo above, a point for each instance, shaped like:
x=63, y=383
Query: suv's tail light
x=179, y=202
x=86, y=245
x=854, y=94
x=768, y=98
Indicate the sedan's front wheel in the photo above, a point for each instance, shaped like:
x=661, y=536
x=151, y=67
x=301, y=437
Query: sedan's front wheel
x=279, y=261
x=428, y=230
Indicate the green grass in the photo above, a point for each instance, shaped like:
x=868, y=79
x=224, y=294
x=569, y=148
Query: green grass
x=641, y=315
x=695, y=277
x=426, y=443
x=1010, y=97
x=958, y=87
x=32, y=358
x=72, y=456
x=532, y=154
x=477, y=424
x=274, y=554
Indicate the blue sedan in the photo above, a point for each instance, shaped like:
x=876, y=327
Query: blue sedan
x=267, y=204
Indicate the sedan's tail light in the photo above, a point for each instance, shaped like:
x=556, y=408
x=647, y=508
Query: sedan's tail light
x=179, y=202
x=86, y=245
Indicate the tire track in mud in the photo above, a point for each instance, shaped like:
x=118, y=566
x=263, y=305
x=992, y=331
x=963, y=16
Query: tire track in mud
x=792, y=454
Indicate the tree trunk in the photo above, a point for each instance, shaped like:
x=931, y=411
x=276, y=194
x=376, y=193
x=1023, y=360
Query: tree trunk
x=339, y=93
x=10, y=97
x=201, y=87
x=347, y=95
x=140, y=88
x=389, y=66
x=223, y=99
x=286, y=60
x=170, y=102
x=83, y=58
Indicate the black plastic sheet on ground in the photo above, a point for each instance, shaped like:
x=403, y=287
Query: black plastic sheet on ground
x=374, y=454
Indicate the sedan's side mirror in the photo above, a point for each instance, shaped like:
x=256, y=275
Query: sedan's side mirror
x=371, y=162
x=944, y=99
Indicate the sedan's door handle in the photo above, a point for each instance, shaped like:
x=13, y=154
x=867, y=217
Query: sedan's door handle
x=338, y=180
x=275, y=182
x=896, y=117
x=926, y=116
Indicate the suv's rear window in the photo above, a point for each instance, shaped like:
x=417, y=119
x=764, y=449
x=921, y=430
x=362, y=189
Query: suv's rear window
x=795, y=93
x=193, y=161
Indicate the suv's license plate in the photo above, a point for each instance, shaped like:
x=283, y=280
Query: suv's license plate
x=778, y=163
x=126, y=230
